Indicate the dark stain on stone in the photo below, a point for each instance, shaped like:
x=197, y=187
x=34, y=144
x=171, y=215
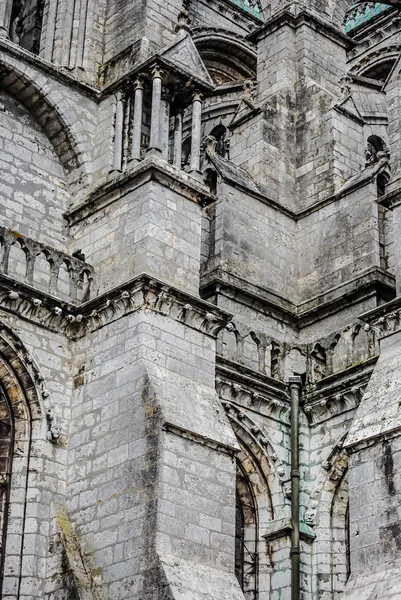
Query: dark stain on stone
x=391, y=537
x=388, y=464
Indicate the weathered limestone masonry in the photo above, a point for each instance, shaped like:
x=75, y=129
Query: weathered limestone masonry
x=200, y=202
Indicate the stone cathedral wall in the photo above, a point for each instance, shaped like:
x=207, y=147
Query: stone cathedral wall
x=198, y=201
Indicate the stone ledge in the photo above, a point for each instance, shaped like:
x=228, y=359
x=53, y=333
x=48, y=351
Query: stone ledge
x=299, y=16
x=373, y=282
x=141, y=293
x=338, y=393
x=149, y=169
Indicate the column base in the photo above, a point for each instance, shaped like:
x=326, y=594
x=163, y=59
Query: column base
x=155, y=152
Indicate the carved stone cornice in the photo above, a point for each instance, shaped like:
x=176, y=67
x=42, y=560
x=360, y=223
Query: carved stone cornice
x=338, y=393
x=141, y=293
x=263, y=395
x=373, y=33
x=385, y=320
x=150, y=169
x=374, y=282
x=298, y=15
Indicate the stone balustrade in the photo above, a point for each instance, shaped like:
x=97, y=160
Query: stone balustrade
x=49, y=270
x=362, y=13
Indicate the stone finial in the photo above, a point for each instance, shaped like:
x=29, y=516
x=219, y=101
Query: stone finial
x=345, y=86
x=249, y=89
x=210, y=144
x=183, y=18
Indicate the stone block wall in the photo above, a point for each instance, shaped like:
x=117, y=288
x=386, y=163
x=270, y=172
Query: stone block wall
x=252, y=242
x=141, y=469
x=152, y=229
x=34, y=193
x=341, y=241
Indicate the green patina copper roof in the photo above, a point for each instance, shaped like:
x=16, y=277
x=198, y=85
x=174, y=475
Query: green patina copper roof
x=252, y=7
x=359, y=14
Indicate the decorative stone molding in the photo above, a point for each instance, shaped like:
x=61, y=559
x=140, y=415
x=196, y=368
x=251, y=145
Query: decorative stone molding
x=362, y=14
x=236, y=413
x=334, y=469
x=34, y=386
x=78, y=270
x=140, y=293
x=327, y=408
x=232, y=393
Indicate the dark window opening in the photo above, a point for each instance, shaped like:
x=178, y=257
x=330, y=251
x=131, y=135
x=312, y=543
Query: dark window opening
x=220, y=133
x=380, y=71
x=246, y=536
x=26, y=24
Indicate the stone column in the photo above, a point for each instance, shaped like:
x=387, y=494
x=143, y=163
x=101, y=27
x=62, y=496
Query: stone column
x=178, y=139
x=5, y=17
x=196, y=131
x=154, y=143
x=165, y=122
x=119, y=132
x=137, y=121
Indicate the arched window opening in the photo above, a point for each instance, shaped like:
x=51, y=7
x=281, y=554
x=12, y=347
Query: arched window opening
x=374, y=149
x=246, y=536
x=6, y=443
x=186, y=153
x=379, y=71
x=26, y=24
x=220, y=134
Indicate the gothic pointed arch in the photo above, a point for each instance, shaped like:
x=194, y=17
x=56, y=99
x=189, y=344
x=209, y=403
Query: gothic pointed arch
x=330, y=509
x=260, y=500
x=22, y=423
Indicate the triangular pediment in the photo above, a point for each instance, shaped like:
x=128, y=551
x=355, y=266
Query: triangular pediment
x=184, y=55
x=349, y=107
x=245, y=110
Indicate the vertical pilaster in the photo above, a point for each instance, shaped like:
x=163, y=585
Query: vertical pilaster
x=137, y=120
x=5, y=17
x=157, y=76
x=47, y=43
x=178, y=139
x=196, y=131
x=165, y=122
x=119, y=132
